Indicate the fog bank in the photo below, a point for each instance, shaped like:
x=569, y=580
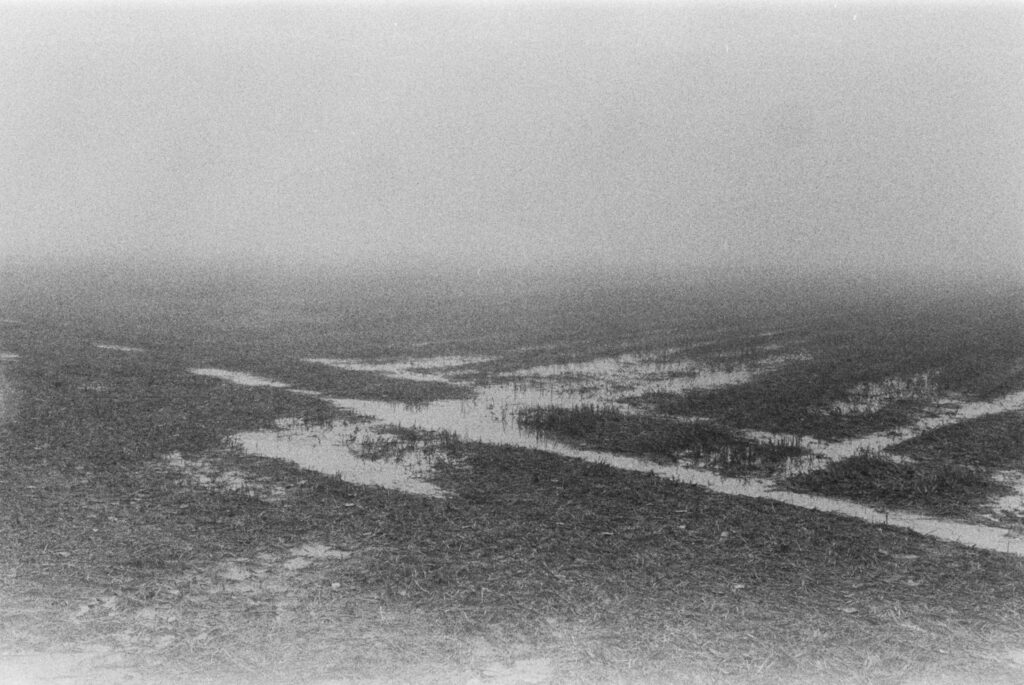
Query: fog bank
x=858, y=139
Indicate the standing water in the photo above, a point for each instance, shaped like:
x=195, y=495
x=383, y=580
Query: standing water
x=491, y=417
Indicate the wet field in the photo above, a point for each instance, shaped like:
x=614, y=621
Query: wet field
x=557, y=472
x=739, y=402
x=492, y=416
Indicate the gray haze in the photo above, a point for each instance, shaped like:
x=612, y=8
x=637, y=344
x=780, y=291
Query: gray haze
x=848, y=137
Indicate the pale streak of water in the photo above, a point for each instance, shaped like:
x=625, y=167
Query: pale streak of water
x=118, y=348
x=606, y=379
x=631, y=365
x=611, y=378
x=417, y=369
x=490, y=418
x=239, y=378
x=491, y=415
x=831, y=452
x=333, y=450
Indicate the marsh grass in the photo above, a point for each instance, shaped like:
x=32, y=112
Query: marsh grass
x=948, y=471
x=943, y=489
x=756, y=457
x=611, y=576
x=394, y=443
x=662, y=439
x=976, y=353
x=995, y=441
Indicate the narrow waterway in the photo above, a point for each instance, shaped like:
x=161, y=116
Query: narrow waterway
x=944, y=414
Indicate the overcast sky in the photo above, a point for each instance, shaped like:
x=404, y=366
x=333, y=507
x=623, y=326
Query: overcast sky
x=822, y=135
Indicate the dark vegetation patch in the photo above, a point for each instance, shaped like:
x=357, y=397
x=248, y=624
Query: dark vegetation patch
x=975, y=353
x=778, y=402
x=395, y=442
x=221, y=312
x=140, y=404
x=996, y=441
x=661, y=439
x=950, y=470
x=722, y=349
x=942, y=489
x=612, y=429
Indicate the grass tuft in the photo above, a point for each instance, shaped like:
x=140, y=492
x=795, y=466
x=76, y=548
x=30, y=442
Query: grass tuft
x=661, y=439
x=941, y=489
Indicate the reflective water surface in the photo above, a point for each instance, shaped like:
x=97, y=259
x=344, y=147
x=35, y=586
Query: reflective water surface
x=491, y=417
x=239, y=378
x=334, y=450
x=118, y=348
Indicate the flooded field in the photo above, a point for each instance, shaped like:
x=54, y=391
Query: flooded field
x=467, y=343
x=559, y=486
x=351, y=451
x=493, y=416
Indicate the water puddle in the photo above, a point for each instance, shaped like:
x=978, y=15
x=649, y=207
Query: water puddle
x=118, y=348
x=341, y=450
x=418, y=369
x=491, y=417
x=239, y=378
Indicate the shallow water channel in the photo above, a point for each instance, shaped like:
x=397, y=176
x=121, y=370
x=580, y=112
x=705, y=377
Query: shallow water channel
x=944, y=414
x=118, y=348
x=491, y=417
